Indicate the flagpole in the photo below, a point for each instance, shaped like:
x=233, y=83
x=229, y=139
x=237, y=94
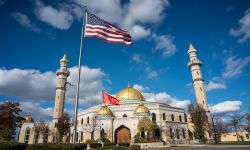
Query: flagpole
x=79, y=74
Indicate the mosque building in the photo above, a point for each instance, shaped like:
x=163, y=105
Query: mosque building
x=120, y=122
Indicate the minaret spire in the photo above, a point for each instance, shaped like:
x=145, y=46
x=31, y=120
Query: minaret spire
x=61, y=83
x=195, y=66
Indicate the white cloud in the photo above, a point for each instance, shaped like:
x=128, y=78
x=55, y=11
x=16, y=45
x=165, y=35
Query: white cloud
x=167, y=99
x=23, y=20
x=139, y=32
x=225, y=107
x=136, y=58
x=91, y=85
x=27, y=84
x=243, y=32
x=234, y=66
x=110, y=11
x=165, y=44
x=140, y=87
x=190, y=84
x=152, y=74
x=58, y=18
x=35, y=85
x=145, y=11
x=37, y=111
x=213, y=86
x=134, y=15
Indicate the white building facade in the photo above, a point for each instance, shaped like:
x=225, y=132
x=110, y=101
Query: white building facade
x=120, y=123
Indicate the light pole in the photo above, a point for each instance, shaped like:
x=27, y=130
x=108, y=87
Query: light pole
x=215, y=136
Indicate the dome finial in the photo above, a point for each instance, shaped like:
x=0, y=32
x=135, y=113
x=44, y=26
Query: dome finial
x=191, y=46
x=64, y=59
x=129, y=85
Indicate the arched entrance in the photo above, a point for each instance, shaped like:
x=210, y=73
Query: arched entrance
x=122, y=135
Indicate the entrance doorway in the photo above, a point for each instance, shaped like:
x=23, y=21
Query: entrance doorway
x=122, y=135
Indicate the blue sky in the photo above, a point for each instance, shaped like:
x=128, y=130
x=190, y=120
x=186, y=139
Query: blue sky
x=34, y=36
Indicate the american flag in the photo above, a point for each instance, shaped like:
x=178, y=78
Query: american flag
x=96, y=27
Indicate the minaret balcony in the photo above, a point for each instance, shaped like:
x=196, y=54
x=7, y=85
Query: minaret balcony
x=198, y=79
x=194, y=62
x=64, y=72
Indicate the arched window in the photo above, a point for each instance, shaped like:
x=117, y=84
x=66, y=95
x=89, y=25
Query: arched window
x=171, y=133
x=209, y=133
x=77, y=136
x=183, y=134
x=177, y=133
x=103, y=134
x=46, y=135
x=81, y=136
x=88, y=120
x=124, y=115
x=172, y=117
x=36, y=136
x=185, y=117
x=153, y=117
x=180, y=118
x=82, y=121
x=163, y=116
x=27, y=135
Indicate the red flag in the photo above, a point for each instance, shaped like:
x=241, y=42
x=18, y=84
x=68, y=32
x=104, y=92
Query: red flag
x=108, y=99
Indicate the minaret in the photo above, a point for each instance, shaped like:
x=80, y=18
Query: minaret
x=62, y=75
x=195, y=66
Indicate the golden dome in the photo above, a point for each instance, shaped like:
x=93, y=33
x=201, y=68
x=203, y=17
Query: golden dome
x=141, y=109
x=104, y=110
x=28, y=118
x=129, y=93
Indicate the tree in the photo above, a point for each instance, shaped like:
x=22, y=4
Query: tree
x=248, y=128
x=91, y=127
x=248, y=119
x=63, y=126
x=236, y=119
x=170, y=129
x=219, y=127
x=145, y=124
x=41, y=128
x=9, y=120
x=200, y=120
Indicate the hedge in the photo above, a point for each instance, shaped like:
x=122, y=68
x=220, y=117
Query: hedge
x=124, y=144
x=65, y=146
x=235, y=143
x=115, y=148
x=12, y=146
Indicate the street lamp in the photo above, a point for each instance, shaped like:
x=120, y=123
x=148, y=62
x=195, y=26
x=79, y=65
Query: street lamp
x=215, y=136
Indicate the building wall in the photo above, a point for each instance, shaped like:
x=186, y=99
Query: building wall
x=131, y=121
x=231, y=136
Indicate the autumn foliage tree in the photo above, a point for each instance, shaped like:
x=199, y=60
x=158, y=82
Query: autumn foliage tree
x=145, y=124
x=41, y=128
x=63, y=126
x=9, y=120
x=248, y=119
x=200, y=120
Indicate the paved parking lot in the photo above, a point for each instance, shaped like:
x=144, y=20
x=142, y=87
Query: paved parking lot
x=204, y=148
